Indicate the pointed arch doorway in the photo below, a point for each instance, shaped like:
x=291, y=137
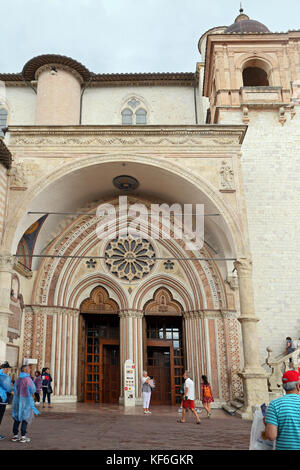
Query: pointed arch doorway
x=164, y=352
x=99, y=351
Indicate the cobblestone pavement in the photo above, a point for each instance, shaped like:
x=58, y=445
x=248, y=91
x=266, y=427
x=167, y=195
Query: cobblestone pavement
x=81, y=426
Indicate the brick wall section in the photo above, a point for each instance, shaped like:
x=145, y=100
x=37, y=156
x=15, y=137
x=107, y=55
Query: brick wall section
x=271, y=173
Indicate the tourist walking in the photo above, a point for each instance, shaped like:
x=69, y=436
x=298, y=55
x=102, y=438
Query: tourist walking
x=146, y=392
x=283, y=415
x=23, y=408
x=5, y=389
x=38, y=385
x=189, y=398
x=46, y=386
x=290, y=347
x=206, y=395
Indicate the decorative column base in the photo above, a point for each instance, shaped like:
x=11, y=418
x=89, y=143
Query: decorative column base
x=255, y=392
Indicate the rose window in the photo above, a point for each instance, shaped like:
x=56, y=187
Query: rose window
x=130, y=258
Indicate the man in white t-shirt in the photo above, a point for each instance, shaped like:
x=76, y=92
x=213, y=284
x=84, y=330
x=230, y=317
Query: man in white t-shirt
x=189, y=397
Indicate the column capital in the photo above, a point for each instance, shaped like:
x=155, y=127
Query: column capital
x=51, y=310
x=7, y=261
x=193, y=315
x=243, y=267
x=131, y=314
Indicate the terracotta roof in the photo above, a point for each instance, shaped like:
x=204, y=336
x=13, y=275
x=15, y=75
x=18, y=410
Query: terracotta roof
x=127, y=79
x=34, y=64
x=5, y=155
x=106, y=79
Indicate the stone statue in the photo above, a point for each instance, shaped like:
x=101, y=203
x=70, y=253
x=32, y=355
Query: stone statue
x=17, y=175
x=226, y=174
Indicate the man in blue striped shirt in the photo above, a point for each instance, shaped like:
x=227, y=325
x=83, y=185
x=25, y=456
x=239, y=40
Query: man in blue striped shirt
x=283, y=415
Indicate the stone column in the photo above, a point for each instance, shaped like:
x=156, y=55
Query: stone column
x=253, y=375
x=6, y=267
x=195, y=347
x=131, y=346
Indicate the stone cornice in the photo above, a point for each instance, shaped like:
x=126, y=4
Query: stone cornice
x=110, y=136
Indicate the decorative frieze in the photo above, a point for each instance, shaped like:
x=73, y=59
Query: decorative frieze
x=92, y=136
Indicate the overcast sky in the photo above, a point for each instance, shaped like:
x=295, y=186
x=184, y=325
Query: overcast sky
x=117, y=36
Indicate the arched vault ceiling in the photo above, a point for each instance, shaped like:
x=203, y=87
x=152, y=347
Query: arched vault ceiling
x=94, y=183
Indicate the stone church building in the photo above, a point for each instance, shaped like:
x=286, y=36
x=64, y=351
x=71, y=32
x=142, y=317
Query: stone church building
x=226, y=136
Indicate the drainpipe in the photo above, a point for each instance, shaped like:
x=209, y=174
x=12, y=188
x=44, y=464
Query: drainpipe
x=29, y=84
x=195, y=99
x=81, y=96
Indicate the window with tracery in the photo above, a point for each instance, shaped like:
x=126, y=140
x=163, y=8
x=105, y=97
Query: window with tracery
x=130, y=258
x=134, y=113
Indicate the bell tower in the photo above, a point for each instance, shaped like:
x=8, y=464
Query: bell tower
x=247, y=68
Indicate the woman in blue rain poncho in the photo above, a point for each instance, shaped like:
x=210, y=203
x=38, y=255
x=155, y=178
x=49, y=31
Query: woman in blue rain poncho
x=23, y=408
x=5, y=389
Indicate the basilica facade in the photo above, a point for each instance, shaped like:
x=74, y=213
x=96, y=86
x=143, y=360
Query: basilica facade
x=226, y=137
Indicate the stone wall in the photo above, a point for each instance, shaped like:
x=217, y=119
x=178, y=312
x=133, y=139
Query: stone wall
x=271, y=168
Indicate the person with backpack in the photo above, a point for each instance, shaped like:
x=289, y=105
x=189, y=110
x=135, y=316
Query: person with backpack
x=46, y=386
x=206, y=395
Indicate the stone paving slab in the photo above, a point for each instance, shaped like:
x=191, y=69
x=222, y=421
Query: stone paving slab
x=80, y=426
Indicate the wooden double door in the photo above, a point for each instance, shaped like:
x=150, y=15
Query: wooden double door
x=102, y=365
x=160, y=358
x=165, y=358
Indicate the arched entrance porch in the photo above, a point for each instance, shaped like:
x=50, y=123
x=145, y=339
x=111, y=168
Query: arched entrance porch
x=227, y=233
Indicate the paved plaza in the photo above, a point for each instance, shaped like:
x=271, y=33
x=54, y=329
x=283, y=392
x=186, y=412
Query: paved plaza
x=81, y=426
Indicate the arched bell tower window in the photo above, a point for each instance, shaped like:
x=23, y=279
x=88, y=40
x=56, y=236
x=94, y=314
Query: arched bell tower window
x=3, y=120
x=256, y=72
x=134, y=113
x=254, y=76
